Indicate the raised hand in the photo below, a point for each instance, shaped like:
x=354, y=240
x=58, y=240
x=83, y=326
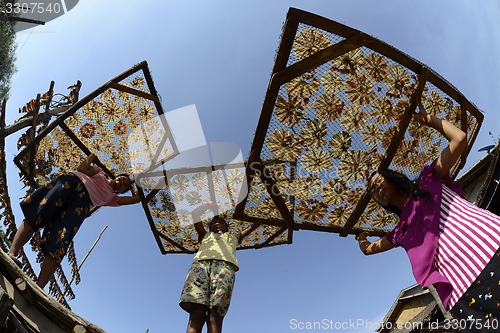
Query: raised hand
x=422, y=116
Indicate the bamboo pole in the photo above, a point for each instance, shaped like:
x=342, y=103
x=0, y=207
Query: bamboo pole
x=84, y=258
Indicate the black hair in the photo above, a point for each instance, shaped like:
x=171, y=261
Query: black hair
x=129, y=186
x=217, y=217
x=401, y=182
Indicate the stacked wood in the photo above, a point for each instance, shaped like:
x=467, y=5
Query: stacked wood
x=24, y=304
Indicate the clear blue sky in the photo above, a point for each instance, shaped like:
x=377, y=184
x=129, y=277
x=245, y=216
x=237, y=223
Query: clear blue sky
x=218, y=54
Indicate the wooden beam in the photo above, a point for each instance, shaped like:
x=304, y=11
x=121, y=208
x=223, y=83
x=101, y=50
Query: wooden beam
x=50, y=94
x=260, y=220
x=83, y=147
x=159, y=107
x=39, y=311
x=321, y=22
x=286, y=43
x=273, y=236
x=391, y=150
x=31, y=135
x=319, y=58
x=271, y=188
x=133, y=91
x=171, y=241
x=5, y=305
x=390, y=153
x=27, y=120
x=152, y=226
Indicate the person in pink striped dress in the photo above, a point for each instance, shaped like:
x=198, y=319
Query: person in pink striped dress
x=451, y=243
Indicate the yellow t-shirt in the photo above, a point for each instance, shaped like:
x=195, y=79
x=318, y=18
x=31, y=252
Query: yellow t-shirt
x=223, y=248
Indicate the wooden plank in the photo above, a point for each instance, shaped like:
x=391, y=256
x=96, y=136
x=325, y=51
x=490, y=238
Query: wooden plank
x=319, y=58
x=211, y=187
x=271, y=187
x=391, y=150
x=260, y=220
x=405, y=119
x=150, y=195
x=25, y=121
x=333, y=229
x=243, y=197
x=322, y=23
x=191, y=170
x=284, y=49
x=31, y=135
x=13, y=325
x=171, y=241
x=27, y=311
x=137, y=67
x=317, y=227
x=50, y=94
x=264, y=119
x=152, y=226
x=159, y=107
x=239, y=212
x=490, y=184
x=38, y=310
x=273, y=237
x=257, y=246
x=5, y=305
x=83, y=147
x=286, y=43
x=133, y=91
x=159, y=150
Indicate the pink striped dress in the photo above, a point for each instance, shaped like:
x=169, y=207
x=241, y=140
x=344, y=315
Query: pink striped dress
x=467, y=242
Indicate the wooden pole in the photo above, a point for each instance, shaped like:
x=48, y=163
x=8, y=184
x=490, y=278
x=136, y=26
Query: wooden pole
x=91, y=248
x=85, y=258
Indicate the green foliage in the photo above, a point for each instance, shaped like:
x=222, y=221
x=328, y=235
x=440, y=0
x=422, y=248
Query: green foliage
x=7, y=49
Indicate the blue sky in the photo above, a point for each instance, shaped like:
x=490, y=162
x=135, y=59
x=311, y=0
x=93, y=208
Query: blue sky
x=218, y=55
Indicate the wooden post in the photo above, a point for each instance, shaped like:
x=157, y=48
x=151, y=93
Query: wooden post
x=5, y=305
x=90, y=251
x=13, y=325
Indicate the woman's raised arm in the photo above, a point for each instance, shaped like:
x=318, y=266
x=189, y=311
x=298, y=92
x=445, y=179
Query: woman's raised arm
x=456, y=137
x=85, y=166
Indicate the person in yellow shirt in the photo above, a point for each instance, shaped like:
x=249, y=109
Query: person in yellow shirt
x=210, y=280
